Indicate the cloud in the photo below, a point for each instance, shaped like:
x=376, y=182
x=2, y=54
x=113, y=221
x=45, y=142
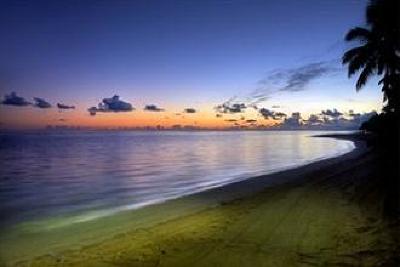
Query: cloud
x=14, y=100
x=251, y=121
x=231, y=120
x=361, y=117
x=63, y=106
x=189, y=110
x=278, y=81
x=153, y=108
x=218, y=115
x=230, y=107
x=290, y=80
x=266, y=113
x=279, y=115
x=256, y=99
x=270, y=114
x=41, y=103
x=112, y=104
x=293, y=122
x=314, y=119
x=297, y=79
x=331, y=114
x=326, y=120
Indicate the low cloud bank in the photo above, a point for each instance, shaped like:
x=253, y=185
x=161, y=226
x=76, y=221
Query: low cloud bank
x=329, y=119
x=326, y=120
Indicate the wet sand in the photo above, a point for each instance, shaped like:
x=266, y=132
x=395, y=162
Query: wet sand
x=327, y=213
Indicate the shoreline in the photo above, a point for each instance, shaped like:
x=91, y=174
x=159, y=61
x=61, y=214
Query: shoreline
x=215, y=198
x=183, y=206
x=270, y=175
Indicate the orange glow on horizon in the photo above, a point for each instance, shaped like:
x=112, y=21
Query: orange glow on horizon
x=30, y=117
x=37, y=118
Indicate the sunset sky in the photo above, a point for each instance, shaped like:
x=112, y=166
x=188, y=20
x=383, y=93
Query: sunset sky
x=278, y=55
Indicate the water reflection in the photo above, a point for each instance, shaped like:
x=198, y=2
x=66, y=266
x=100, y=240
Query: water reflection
x=74, y=173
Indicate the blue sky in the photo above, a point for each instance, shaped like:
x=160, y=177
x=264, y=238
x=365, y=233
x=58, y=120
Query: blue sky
x=177, y=53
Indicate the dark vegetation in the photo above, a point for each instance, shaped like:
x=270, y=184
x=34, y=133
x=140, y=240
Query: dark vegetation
x=378, y=54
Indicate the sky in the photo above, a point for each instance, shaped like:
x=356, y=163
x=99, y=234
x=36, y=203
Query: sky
x=279, y=55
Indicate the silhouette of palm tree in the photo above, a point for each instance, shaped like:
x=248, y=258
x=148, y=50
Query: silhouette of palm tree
x=379, y=52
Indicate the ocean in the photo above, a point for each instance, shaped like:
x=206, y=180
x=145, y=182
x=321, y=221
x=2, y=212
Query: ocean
x=86, y=175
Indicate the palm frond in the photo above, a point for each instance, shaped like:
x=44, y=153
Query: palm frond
x=364, y=75
x=357, y=63
x=354, y=52
x=358, y=33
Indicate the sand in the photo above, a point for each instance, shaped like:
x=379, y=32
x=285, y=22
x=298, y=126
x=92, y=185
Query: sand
x=327, y=213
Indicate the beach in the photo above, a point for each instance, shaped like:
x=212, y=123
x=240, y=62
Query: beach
x=327, y=213
x=200, y=133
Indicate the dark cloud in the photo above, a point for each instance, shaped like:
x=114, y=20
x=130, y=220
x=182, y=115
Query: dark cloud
x=93, y=110
x=338, y=121
x=153, y=108
x=270, y=114
x=327, y=120
x=14, y=100
x=290, y=80
x=251, y=121
x=41, y=103
x=293, y=122
x=334, y=113
x=63, y=106
x=279, y=81
x=298, y=79
x=266, y=113
x=218, y=115
x=314, y=119
x=112, y=104
x=229, y=108
x=189, y=110
x=279, y=115
x=361, y=117
x=231, y=120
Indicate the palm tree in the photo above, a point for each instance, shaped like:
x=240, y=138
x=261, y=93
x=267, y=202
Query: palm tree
x=379, y=50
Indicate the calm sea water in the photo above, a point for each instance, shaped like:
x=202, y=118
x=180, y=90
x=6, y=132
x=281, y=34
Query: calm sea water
x=84, y=175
